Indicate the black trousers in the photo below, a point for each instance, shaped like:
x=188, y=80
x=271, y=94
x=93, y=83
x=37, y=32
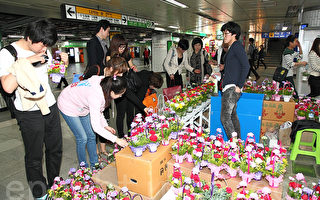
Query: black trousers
x=65, y=82
x=40, y=131
x=124, y=106
x=177, y=80
x=106, y=115
x=261, y=60
x=314, y=82
x=251, y=62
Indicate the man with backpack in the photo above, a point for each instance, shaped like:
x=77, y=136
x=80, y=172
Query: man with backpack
x=252, y=56
x=36, y=110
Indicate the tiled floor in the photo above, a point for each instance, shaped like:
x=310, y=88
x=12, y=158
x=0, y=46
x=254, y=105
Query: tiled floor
x=12, y=174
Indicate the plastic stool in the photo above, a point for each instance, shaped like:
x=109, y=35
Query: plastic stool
x=315, y=150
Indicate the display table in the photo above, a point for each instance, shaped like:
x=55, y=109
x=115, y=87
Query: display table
x=198, y=115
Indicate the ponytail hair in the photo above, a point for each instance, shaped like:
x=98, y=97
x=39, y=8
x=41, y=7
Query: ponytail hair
x=117, y=84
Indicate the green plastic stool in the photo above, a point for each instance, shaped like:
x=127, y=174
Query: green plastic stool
x=315, y=151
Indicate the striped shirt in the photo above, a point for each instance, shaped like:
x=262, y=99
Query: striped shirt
x=314, y=64
x=287, y=61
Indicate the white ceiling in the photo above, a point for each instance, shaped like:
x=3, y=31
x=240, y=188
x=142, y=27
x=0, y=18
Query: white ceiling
x=204, y=16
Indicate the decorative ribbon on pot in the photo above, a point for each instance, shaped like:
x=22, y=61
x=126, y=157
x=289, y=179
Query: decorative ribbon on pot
x=212, y=184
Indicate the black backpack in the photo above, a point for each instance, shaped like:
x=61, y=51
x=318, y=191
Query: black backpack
x=9, y=98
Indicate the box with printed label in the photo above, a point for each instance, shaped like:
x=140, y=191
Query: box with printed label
x=108, y=175
x=278, y=110
x=146, y=174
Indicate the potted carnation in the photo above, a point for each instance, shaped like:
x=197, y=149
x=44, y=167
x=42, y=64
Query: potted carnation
x=177, y=179
x=153, y=141
x=137, y=143
x=179, y=150
x=295, y=187
x=286, y=92
x=301, y=113
x=275, y=168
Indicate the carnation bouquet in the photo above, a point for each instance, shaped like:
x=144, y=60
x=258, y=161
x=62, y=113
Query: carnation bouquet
x=56, y=70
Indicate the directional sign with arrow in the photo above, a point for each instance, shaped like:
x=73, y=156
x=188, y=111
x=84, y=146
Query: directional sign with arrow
x=71, y=12
x=124, y=20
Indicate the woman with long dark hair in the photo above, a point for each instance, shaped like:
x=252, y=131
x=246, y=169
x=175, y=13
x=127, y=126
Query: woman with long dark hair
x=314, y=68
x=126, y=104
x=82, y=104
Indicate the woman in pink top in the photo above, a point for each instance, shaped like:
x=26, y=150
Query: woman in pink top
x=81, y=105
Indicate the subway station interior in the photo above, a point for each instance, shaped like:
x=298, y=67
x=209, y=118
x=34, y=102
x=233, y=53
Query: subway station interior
x=158, y=25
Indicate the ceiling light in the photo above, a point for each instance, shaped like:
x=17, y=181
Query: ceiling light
x=159, y=29
x=175, y=3
x=175, y=27
x=66, y=35
x=15, y=36
x=284, y=28
x=85, y=38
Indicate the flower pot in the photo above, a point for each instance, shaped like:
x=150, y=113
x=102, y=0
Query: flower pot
x=286, y=98
x=137, y=150
x=214, y=169
x=267, y=97
x=174, y=135
x=274, y=181
x=232, y=172
x=56, y=77
x=189, y=158
x=247, y=177
x=165, y=142
x=153, y=147
x=289, y=198
x=277, y=97
x=177, y=191
x=258, y=176
x=178, y=159
x=301, y=117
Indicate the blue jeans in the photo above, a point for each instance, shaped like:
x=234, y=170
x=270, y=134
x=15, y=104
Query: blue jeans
x=82, y=130
x=229, y=117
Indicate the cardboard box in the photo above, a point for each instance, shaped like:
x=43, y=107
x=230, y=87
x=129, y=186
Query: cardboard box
x=269, y=124
x=205, y=174
x=146, y=174
x=278, y=111
x=109, y=176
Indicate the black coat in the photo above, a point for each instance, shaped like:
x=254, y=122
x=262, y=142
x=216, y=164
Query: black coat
x=95, y=55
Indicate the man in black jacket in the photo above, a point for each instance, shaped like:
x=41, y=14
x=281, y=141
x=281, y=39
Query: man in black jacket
x=236, y=68
x=97, y=49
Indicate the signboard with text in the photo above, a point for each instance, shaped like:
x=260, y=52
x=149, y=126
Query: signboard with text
x=275, y=34
x=88, y=14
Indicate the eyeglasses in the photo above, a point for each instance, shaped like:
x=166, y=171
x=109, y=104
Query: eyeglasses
x=226, y=33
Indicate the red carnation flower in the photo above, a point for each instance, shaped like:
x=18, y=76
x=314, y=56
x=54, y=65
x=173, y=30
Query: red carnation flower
x=198, y=149
x=206, y=187
x=126, y=198
x=176, y=175
x=229, y=190
x=218, y=185
x=304, y=197
x=152, y=132
x=153, y=138
x=216, y=156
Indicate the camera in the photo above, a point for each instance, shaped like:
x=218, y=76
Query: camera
x=46, y=58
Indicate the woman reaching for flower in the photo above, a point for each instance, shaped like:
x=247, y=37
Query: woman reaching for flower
x=82, y=105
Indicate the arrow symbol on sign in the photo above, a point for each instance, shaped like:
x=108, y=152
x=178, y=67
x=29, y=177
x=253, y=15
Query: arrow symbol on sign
x=70, y=12
x=124, y=19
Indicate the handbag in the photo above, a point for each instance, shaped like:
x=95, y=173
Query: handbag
x=170, y=92
x=280, y=74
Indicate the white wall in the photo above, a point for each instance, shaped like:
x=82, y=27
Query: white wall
x=159, y=51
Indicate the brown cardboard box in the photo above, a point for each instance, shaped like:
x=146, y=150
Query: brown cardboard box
x=146, y=174
x=233, y=183
x=278, y=110
x=109, y=176
x=268, y=125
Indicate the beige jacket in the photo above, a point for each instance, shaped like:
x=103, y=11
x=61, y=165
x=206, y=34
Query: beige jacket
x=30, y=89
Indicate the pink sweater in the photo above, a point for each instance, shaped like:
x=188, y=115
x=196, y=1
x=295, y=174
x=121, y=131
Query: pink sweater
x=82, y=98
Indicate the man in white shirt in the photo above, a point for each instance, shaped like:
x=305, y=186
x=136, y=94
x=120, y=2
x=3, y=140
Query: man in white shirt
x=37, y=130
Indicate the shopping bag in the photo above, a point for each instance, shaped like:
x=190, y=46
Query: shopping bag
x=170, y=92
x=280, y=74
x=284, y=133
x=151, y=100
